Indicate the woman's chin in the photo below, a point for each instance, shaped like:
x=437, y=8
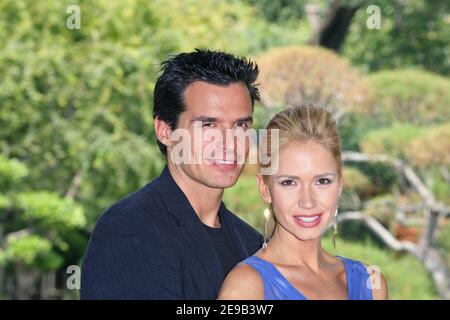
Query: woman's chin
x=307, y=234
x=308, y=237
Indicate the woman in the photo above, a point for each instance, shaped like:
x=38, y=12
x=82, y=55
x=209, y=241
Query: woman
x=302, y=196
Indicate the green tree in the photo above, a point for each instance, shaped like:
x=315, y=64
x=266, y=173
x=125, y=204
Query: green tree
x=413, y=33
x=409, y=95
x=32, y=223
x=305, y=74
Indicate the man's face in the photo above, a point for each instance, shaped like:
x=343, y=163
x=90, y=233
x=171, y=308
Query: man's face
x=216, y=158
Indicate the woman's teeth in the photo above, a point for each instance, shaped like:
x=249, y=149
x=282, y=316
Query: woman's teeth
x=308, y=219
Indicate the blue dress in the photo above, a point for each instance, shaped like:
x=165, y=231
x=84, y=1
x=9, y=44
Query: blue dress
x=277, y=287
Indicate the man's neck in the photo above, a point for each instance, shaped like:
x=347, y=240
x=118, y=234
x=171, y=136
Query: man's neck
x=204, y=200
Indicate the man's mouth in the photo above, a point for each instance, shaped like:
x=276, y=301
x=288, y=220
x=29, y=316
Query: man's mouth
x=223, y=165
x=224, y=162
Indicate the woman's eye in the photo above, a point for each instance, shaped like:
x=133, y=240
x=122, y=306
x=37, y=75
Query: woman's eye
x=287, y=182
x=324, y=181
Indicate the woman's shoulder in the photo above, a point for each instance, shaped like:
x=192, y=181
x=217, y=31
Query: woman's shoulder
x=378, y=281
x=243, y=282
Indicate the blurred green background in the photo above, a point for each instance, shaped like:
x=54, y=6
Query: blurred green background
x=76, y=130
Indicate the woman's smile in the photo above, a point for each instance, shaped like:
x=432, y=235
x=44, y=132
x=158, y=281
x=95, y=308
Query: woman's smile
x=308, y=221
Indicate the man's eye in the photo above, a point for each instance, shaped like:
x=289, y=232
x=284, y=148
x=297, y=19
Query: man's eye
x=244, y=125
x=324, y=181
x=287, y=182
x=207, y=124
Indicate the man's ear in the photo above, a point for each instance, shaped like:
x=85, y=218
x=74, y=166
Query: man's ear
x=263, y=189
x=162, y=131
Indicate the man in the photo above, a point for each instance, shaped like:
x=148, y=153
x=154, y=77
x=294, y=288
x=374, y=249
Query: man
x=174, y=238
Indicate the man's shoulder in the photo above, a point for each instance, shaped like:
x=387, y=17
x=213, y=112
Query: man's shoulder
x=132, y=212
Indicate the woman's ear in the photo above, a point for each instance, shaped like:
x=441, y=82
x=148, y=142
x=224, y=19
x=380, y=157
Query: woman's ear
x=263, y=189
x=162, y=131
x=341, y=185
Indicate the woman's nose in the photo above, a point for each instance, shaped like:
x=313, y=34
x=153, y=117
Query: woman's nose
x=307, y=198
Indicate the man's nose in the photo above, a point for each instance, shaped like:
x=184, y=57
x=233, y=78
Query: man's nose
x=227, y=142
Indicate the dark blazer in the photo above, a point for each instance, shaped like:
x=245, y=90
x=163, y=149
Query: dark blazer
x=152, y=245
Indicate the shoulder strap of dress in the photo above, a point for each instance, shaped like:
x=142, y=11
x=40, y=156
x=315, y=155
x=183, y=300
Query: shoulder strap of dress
x=359, y=285
x=261, y=266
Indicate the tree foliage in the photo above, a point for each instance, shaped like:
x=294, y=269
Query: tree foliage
x=301, y=75
x=412, y=33
x=408, y=95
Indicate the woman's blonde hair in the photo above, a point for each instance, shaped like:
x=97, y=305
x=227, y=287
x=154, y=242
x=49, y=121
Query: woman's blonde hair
x=300, y=124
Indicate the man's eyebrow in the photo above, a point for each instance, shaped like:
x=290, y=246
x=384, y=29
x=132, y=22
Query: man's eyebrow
x=212, y=119
x=204, y=119
x=245, y=119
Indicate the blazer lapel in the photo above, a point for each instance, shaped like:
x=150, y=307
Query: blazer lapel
x=195, y=235
x=228, y=222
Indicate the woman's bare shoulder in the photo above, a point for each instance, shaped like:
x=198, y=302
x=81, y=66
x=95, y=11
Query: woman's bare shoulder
x=242, y=283
x=378, y=281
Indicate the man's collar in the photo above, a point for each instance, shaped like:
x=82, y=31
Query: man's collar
x=179, y=206
x=197, y=237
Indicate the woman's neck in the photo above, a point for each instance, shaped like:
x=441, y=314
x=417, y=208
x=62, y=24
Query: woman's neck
x=285, y=248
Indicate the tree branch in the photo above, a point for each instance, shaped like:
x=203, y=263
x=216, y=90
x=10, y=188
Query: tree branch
x=384, y=234
x=431, y=259
x=74, y=185
x=332, y=30
x=430, y=202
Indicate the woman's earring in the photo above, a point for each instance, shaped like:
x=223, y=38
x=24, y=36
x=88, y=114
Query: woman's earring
x=266, y=226
x=335, y=227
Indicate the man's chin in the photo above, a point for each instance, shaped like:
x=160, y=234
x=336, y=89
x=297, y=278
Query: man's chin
x=216, y=185
x=224, y=181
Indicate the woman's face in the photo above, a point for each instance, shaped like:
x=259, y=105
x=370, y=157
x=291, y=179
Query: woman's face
x=305, y=190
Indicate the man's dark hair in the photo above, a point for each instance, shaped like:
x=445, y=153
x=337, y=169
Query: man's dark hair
x=213, y=67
